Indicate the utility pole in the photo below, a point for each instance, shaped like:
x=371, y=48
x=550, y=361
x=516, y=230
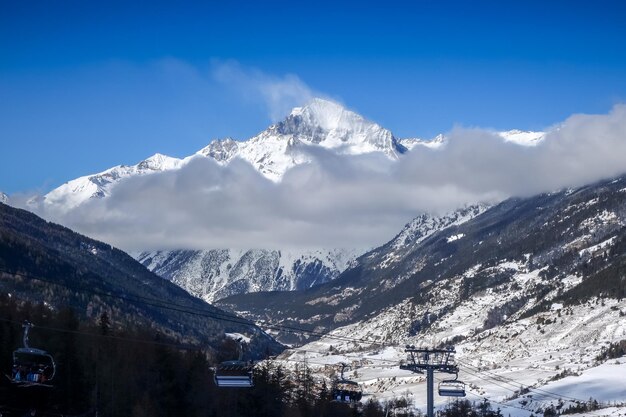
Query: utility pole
x=430, y=360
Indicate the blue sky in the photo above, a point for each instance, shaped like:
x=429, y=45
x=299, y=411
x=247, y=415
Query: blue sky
x=88, y=85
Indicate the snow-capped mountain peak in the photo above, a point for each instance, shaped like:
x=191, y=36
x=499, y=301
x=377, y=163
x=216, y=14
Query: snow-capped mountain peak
x=433, y=143
x=4, y=198
x=159, y=162
x=319, y=123
x=522, y=137
x=328, y=115
x=330, y=125
x=222, y=150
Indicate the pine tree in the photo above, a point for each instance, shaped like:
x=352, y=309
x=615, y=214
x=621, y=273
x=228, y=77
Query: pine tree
x=104, y=323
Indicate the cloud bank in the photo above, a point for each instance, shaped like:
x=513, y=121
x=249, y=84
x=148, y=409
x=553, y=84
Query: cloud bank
x=346, y=201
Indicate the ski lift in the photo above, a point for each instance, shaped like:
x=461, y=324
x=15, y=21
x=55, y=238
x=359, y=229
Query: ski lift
x=452, y=387
x=234, y=374
x=346, y=391
x=32, y=367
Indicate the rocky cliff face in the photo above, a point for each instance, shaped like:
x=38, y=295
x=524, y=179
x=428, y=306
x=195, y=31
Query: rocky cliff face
x=215, y=274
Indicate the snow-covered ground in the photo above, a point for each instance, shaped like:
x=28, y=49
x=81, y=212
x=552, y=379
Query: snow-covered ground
x=552, y=353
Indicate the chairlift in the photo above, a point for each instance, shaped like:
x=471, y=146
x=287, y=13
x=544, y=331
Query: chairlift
x=32, y=367
x=346, y=391
x=234, y=374
x=452, y=388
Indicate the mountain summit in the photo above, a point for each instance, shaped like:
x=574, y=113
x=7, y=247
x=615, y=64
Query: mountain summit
x=319, y=123
x=330, y=125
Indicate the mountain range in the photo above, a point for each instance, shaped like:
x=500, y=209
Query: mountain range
x=531, y=292
x=215, y=273
x=275, y=150
x=571, y=240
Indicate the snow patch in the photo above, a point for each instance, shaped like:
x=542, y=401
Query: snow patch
x=596, y=248
x=238, y=337
x=455, y=237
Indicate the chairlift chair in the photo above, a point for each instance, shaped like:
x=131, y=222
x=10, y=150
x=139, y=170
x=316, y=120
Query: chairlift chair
x=234, y=374
x=32, y=366
x=346, y=391
x=452, y=388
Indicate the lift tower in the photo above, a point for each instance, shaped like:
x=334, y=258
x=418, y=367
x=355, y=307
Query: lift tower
x=430, y=360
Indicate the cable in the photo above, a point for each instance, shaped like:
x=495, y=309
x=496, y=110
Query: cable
x=147, y=301
x=505, y=379
x=195, y=311
x=551, y=394
x=492, y=400
x=494, y=383
x=223, y=316
x=304, y=360
x=389, y=361
x=498, y=402
x=190, y=310
x=149, y=342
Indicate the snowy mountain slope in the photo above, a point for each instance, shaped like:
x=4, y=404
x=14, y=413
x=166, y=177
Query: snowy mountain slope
x=76, y=192
x=416, y=231
x=4, y=198
x=215, y=274
x=434, y=143
x=540, y=241
x=519, y=137
x=552, y=355
x=532, y=312
x=323, y=300
x=524, y=138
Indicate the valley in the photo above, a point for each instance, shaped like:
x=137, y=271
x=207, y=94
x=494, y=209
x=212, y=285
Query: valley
x=528, y=290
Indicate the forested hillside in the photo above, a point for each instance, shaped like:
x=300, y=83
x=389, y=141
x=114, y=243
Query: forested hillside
x=134, y=372
x=45, y=262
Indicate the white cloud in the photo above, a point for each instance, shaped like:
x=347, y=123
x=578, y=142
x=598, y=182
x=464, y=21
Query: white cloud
x=347, y=201
x=278, y=94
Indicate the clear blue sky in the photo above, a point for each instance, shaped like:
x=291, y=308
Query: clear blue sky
x=86, y=85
